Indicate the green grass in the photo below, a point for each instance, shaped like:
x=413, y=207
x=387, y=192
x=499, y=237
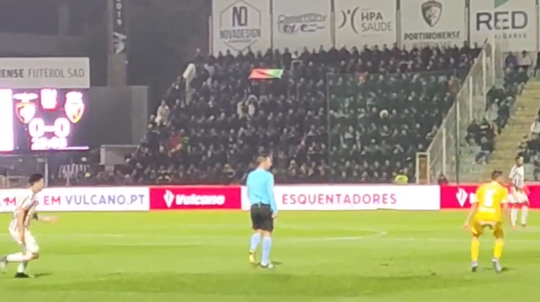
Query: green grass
x=331, y=256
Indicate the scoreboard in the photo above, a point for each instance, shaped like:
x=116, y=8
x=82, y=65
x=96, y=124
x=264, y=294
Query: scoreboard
x=33, y=120
x=43, y=104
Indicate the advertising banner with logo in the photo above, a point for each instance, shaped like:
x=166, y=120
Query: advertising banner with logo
x=119, y=26
x=353, y=198
x=82, y=199
x=44, y=73
x=513, y=22
x=301, y=23
x=460, y=196
x=239, y=25
x=195, y=198
x=365, y=22
x=433, y=22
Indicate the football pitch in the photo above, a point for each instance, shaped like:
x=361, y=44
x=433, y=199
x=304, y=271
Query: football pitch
x=319, y=256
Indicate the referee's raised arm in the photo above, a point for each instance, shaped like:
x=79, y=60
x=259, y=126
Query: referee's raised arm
x=260, y=191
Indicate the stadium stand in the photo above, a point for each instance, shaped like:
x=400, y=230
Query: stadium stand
x=481, y=135
x=339, y=115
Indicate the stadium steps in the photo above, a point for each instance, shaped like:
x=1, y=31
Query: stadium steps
x=509, y=143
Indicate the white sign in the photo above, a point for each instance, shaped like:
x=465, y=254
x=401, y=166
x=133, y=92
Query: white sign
x=239, y=25
x=351, y=197
x=433, y=22
x=301, y=23
x=511, y=22
x=44, y=73
x=83, y=199
x=365, y=22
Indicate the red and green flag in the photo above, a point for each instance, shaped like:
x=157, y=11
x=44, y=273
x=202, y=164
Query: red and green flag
x=265, y=74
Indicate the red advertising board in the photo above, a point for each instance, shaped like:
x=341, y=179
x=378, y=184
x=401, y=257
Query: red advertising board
x=460, y=196
x=195, y=198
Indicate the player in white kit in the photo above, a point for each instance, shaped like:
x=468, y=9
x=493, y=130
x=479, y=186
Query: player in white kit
x=24, y=213
x=518, y=197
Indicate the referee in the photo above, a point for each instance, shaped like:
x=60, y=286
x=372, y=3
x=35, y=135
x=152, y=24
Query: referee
x=260, y=191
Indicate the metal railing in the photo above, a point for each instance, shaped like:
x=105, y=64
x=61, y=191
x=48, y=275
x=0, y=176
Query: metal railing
x=443, y=154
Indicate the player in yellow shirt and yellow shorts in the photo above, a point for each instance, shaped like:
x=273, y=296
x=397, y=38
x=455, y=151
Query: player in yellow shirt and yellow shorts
x=487, y=213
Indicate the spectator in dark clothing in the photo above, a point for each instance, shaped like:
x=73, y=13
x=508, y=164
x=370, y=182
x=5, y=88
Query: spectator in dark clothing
x=442, y=180
x=511, y=60
x=473, y=133
x=537, y=66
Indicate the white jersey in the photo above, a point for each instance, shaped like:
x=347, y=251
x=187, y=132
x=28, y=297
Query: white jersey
x=517, y=175
x=27, y=201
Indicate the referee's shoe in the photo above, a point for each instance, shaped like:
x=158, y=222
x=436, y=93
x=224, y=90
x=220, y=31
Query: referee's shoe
x=23, y=276
x=252, y=258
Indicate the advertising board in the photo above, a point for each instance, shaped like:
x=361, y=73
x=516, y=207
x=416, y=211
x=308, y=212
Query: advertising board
x=353, y=197
x=455, y=197
x=372, y=22
x=288, y=198
x=195, y=198
x=66, y=73
x=261, y=24
x=239, y=25
x=513, y=23
x=433, y=22
x=82, y=199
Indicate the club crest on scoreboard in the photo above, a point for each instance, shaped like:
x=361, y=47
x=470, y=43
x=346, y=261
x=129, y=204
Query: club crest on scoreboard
x=24, y=108
x=74, y=106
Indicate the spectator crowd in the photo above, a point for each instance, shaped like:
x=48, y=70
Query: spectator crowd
x=336, y=115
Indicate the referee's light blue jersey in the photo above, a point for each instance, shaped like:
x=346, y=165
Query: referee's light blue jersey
x=260, y=188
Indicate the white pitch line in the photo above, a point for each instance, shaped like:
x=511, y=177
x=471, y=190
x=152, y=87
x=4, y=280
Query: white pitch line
x=352, y=238
x=185, y=240
x=412, y=239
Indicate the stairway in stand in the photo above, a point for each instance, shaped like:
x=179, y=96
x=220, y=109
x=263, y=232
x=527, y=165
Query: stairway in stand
x=515, y=132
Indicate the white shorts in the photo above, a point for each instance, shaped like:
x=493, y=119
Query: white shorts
x=31, y=243
x=518, y=197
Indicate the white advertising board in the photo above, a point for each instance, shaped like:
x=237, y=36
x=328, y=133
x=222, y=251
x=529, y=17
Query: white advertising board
x=239, y=25
x=433, y=22
x=364, y=22
x=512, y=23
x=353, y=198
x=44, y=73
x=301, y=23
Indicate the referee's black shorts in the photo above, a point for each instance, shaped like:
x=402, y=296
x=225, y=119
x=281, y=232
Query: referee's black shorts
x=261, y=217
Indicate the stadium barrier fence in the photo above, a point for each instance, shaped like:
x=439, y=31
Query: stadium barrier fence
x=448, y=146
x=288, y=198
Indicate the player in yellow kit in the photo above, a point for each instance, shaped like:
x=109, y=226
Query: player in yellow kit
x=487, y=212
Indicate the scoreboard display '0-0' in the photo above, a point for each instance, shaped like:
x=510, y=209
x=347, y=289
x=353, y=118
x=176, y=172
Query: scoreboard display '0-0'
x=42, y=119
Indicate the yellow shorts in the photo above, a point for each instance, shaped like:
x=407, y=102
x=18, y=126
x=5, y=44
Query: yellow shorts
x=478, y=228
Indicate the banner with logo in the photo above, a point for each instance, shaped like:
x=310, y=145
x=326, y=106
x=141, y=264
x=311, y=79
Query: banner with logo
x=513, y=22
x=433, y=22
x=195, y=198
x=44, y=73
x=301, y=23
x=460, y=196
x=353, y=198
x=239, y=25
x=119, y=199
x=365, y=22
x=119, y=26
